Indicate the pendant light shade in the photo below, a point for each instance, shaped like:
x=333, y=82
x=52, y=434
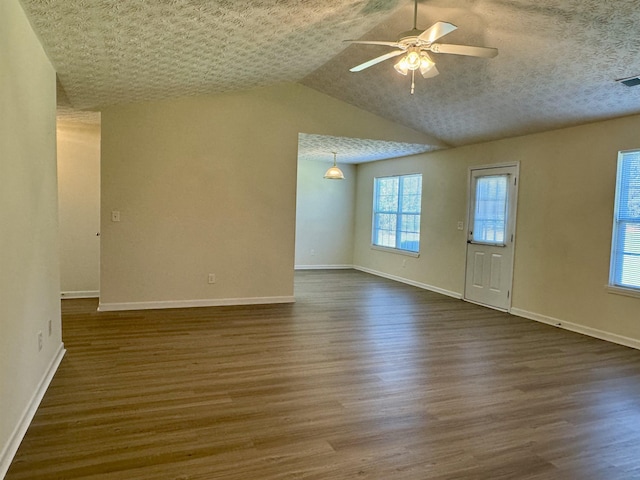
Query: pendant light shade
x=334, y=173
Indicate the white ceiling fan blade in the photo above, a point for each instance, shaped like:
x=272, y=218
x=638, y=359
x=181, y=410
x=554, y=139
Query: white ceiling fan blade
x=432, y=72
x=484, y=52
x=379, y=59
x=374, y=42
x=435, y=31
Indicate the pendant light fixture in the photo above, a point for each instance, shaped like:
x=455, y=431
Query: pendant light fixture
x=334, y=173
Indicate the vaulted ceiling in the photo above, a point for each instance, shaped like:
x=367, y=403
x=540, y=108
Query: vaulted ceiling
x=557, y=62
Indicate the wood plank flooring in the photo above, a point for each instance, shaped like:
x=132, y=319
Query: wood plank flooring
x=361, y=378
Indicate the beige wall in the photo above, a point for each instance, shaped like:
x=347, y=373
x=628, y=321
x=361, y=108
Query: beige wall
x=325, y=216
x=443, y=204
x=79, y=208
x=563, y=239
x=29, y=273
x=208, y=185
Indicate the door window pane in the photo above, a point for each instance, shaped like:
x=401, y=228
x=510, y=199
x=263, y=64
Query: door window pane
x=490, y=213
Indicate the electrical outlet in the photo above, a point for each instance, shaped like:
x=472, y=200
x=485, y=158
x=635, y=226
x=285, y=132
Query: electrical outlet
x=404, y=262
x=50, y=327
x=212, y=278
x=313, y=252
x=460, y=225
x=39, y=340
x=115, y=215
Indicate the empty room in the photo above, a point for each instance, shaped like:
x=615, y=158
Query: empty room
x=377, y=239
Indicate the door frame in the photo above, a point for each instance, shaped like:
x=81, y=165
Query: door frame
x=513, y=210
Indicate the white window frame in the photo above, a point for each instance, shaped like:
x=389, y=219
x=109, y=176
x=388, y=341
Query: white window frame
x=615, y=285
x=397, y=212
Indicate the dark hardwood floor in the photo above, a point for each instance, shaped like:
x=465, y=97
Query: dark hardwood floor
x=361, y=378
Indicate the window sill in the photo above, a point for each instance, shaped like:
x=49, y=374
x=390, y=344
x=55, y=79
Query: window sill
x=395, y=250
x=627, y=292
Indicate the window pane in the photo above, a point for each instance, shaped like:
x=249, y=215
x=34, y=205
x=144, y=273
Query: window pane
x=411, y=193
x=627, y=264
x=630, y=271
x=626, y=245
x=387, y=190
x=629, y=204
x=409, y=232
x=490, y=215
x=385, y=230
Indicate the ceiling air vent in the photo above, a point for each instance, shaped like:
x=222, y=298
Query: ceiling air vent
x=630, y=81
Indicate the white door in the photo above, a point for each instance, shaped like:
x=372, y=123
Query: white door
x=491, y=235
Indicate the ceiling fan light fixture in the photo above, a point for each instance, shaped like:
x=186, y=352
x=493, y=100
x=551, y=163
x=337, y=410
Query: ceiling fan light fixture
x=401, y=67
x=413, y=59
x=334, y=173
x=413, y=45
x=426, y=63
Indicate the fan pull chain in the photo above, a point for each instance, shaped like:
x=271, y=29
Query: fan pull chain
x=413, y=81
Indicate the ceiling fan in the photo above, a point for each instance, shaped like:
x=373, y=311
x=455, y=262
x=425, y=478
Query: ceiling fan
x=415, y=46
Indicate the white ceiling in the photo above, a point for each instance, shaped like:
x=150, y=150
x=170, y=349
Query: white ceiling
x=557, y=63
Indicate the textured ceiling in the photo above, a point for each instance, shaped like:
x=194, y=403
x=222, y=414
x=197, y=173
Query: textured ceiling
x=556, y=67
x=557, y=63
x=353, y=150
x=67, y=113
x=119, y=51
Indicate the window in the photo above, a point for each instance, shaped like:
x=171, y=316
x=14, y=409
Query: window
x=490, y=209
x=396, y=212
x=625, y=250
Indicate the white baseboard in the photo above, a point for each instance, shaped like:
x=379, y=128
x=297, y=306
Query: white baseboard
x=574, y=327
x=424, y=286
x=113, y=307
x=323, y=267
x=10, y=449
x=81, y=294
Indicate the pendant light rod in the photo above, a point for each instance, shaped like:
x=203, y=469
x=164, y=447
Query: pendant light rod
x=415, y=15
